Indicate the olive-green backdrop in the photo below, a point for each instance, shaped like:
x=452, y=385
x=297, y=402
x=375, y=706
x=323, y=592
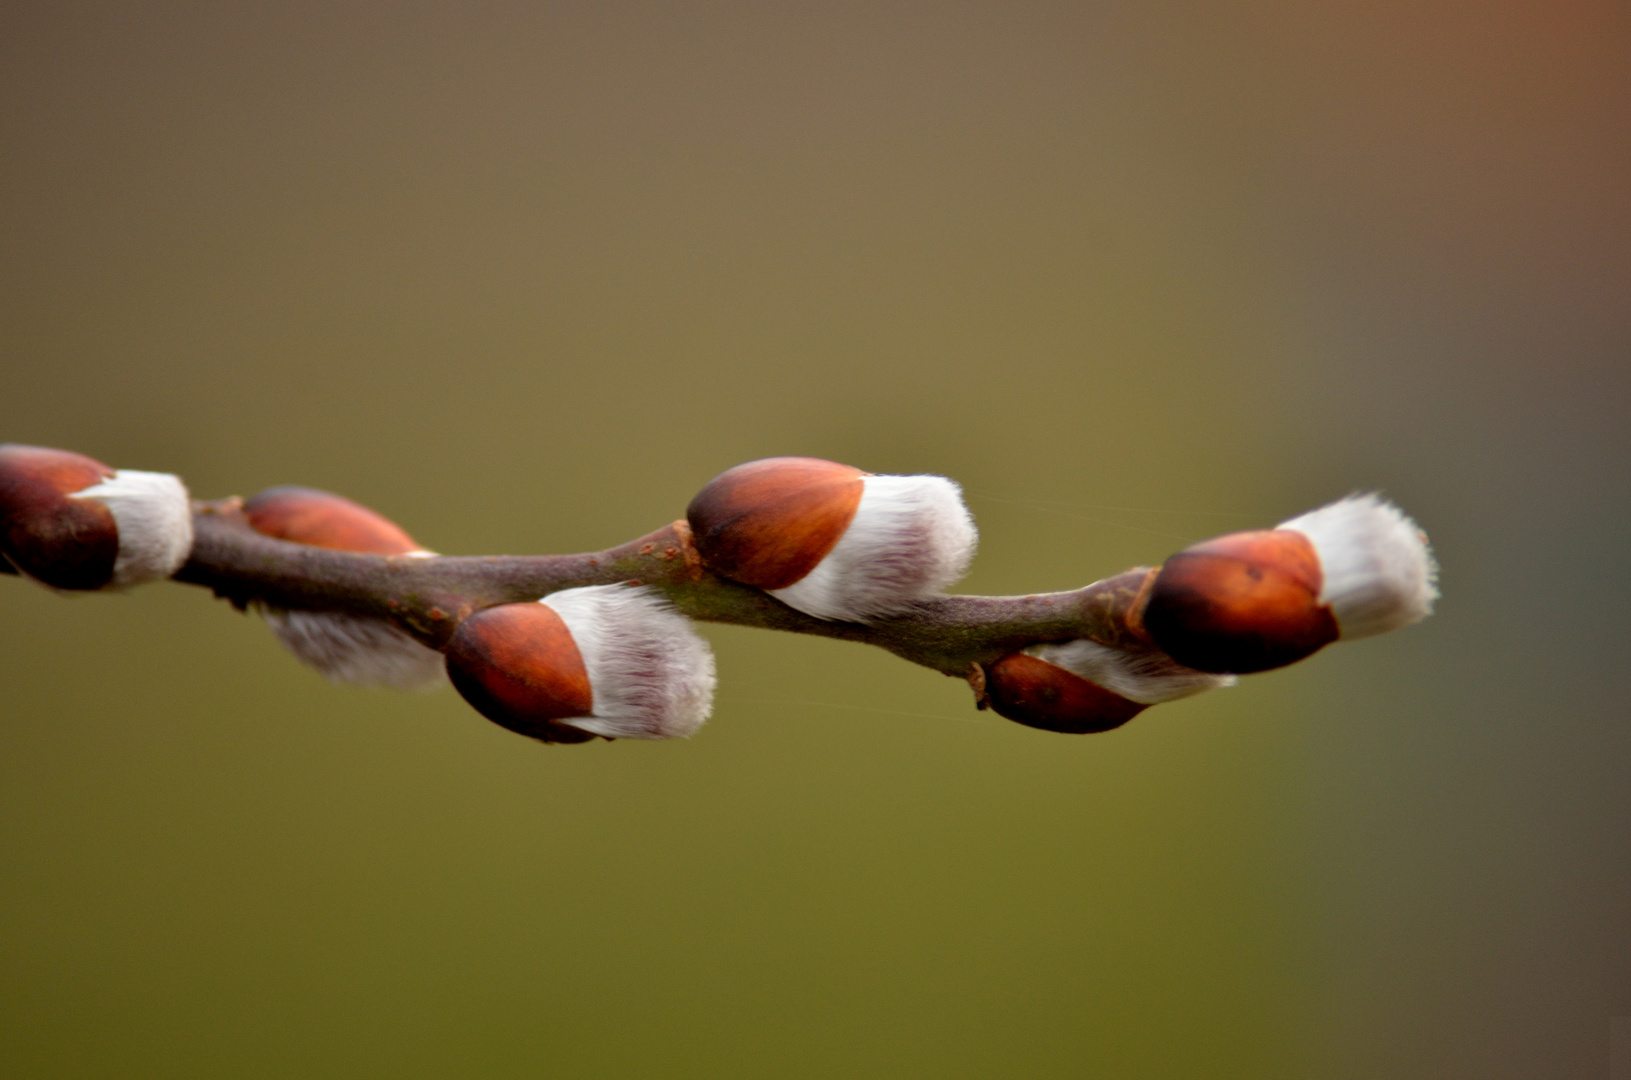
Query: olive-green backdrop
x=524, y=275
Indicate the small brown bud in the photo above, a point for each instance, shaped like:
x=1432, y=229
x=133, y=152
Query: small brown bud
x=831, y=540
x=1241, y=603
x=1038, y=694
x=518, y=665
x=66, y=543
x=610, y=660
x=308, y=516
x=768, y=523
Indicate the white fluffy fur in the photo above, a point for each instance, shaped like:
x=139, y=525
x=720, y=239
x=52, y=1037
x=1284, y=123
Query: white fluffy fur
x=651, y=675
x=155, y=521
x=911, y=537
x=356, y=649
x=1379, y=572
x=1148, y=678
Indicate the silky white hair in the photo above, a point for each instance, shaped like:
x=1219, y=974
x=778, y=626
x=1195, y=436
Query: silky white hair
x=651, y=675
x=1148, y=678
x=359, y=650
x=154, y=516
x=910, y=538
x=1379, y=572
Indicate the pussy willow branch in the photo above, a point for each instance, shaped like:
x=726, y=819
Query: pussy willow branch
x=429, y=596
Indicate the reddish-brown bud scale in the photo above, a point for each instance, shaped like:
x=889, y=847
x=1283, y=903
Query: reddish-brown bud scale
x=1038, y=694
x=64, y=542
x=518, y=665
x=320, y=519
x=1241, y=603
x=768, y=523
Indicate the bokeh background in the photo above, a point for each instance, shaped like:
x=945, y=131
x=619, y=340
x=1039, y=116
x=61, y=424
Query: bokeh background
x=525, y=275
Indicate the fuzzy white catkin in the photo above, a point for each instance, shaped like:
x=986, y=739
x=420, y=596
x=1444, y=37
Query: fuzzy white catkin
x=1148, y=678
x=650, y=674
x=910, y=538
x=1379, y=573
x=356, y=649
x=155, y=520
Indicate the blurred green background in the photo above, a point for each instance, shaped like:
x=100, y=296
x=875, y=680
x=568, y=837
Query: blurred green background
x=524, y=276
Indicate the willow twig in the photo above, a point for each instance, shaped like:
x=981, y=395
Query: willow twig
x=428, y=596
